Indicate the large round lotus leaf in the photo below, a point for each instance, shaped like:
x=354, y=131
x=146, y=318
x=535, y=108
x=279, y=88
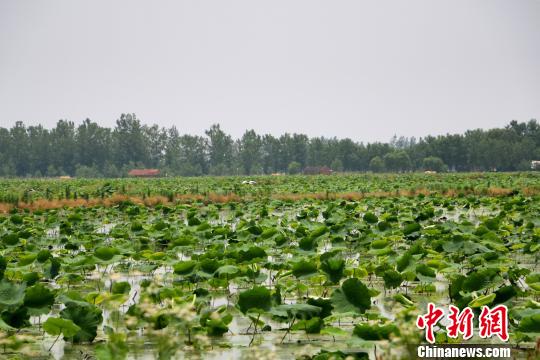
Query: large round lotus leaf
x=17, y=318
x=478, y=280
x=530, y=323
x=319, y=231
x=26, y=259
x=16, y=219
x=379, y=244
x=353, y=296
x=255, y=299
x=56, y=326
x=10, y=239
x=533, y=280
x=209, y=265
x=227, y=270
x=39, y=298
x=204, y=226
x=304, y=268
x=424, y=270
x=215, y=327
x=324, y=304
x=52, y=268
x=268, y=233
x=11, y=294
x=370, y=218
x=392, y=279
x=411, y=227
x=252, y=253
x=334, y=267
x=492, y=224
x=307, y=243
x=43, y=255
x=404, y=260
x=105, y=253
x=160, y=225
x=383, y=225
x=86, y=316
x=504, y=294
x=255, y=230
x=184, y=267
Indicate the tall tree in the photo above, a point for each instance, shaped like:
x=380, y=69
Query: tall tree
x=18, y=150
x=93, y=144
x=220, y=150
x=250, y=151
x=129, y=141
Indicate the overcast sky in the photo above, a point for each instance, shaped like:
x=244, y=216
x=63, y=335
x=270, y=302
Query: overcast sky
x=359, y=69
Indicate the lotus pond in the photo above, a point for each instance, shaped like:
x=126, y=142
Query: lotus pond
x=265, y=277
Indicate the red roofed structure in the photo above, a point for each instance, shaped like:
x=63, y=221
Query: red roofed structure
x=318, y=170
x=144, y=172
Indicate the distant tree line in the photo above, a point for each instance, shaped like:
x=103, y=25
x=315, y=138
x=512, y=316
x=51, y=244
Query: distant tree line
x=89, y=150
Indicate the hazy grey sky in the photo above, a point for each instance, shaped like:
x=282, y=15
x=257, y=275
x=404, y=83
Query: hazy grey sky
x=346, y=68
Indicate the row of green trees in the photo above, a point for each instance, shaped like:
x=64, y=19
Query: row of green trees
x=89, y=150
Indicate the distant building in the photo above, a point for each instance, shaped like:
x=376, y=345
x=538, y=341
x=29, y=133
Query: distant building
x=144, y=172
x=318, y=170
x=535, y=165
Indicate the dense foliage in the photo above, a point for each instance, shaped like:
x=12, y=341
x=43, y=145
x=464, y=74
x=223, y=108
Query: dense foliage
x=220, y=280
x=29, y=191
x=89, y=150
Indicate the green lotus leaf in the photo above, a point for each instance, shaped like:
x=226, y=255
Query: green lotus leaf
x=482, y=300
x=325, y=305
x=370, y=218
x=11, y=294
x=298, y=311
x=39, y=299
x=43, y=256
x=227, y=270
x=56, y=326
x=185, y=267
x=352, y=296
x=86, y=316
x=334, y=267
x=392, y=279
x=106, y=253
x=304, y=268
x=411, y=228
x=251, y=254
x=404, y=300
x=479, y=279
x=120, y=287
x=10, y=239
x=530, y=323
x=256, y=299
x=375, y=332
x=17, y=318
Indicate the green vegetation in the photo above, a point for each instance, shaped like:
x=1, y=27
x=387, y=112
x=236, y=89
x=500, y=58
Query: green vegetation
x=262, y=271
x=91, y=151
